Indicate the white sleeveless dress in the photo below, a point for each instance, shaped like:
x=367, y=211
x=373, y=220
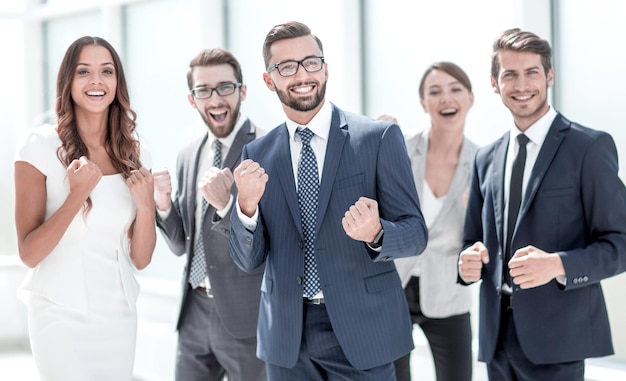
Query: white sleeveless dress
x=81, y=298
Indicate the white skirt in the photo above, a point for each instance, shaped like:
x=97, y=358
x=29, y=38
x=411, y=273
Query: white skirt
x=72, y=346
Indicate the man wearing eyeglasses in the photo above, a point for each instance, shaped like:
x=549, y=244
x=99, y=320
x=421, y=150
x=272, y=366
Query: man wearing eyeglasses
x=220, y=303
x=326, y=202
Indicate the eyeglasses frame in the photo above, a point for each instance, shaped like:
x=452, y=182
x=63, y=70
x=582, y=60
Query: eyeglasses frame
x=300, y=63
x=215, y=89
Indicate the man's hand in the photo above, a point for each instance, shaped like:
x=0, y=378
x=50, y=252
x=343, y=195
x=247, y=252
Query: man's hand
x=532, y=267
x=162, y=189
x=215, y=186
x=471, y=262
x=250, y=178
x=362, y=222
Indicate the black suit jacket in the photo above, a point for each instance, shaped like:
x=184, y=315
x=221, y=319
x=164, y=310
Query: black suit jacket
x=574, y=205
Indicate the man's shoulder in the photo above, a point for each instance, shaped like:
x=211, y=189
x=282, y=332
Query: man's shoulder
x=265, y=137
x=579, y=135
x=486, y=151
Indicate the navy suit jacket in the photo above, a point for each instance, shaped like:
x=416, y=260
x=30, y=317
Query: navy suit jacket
x=574, y=205
x=362, y=289
x=236, y=292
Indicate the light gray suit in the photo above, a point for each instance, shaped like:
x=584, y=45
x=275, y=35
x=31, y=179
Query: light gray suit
x=236, y=293
x=440, y=294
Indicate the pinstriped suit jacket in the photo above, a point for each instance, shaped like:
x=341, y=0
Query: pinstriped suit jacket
x=364, y=296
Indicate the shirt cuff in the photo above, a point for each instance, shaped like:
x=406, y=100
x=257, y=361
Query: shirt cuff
x=164, y=213
x=222, y=213
x=248, y=222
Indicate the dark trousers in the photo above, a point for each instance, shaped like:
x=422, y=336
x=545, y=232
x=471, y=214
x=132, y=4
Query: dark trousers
x=321, y=358
x=450, y=341
x=511, y=364
x=207, y=352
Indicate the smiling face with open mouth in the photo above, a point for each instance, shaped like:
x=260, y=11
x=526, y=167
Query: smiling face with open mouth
x=446, y=100
x=219, y=112
x=301, y=94
x=95, y=82
x=523, y=86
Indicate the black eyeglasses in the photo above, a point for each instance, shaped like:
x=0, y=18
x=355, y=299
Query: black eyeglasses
x=222, y=90
x=289, y=68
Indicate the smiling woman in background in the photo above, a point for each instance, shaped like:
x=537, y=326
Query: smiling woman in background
x=441, y=158
x=84, y=212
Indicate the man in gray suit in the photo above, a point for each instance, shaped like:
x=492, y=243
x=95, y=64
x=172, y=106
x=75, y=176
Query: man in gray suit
x=220, y=303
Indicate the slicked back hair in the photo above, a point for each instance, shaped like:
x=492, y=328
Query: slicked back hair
x=291, y=29
x=517, y=40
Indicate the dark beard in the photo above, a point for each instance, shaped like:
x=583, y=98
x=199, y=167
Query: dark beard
x=234, y=114
x=303, y=105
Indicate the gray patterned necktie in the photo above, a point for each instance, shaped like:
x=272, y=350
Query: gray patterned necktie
x=198, y=262
x=308, y=193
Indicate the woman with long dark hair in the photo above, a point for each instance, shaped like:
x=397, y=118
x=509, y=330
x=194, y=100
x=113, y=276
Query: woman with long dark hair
x=85, y=215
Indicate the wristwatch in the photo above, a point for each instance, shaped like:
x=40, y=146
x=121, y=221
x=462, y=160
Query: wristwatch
x=378, y=240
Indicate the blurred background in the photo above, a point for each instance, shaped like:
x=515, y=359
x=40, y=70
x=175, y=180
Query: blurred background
x=376, y=51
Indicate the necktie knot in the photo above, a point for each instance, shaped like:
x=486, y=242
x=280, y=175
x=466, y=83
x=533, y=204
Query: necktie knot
x=522, y=140
x=305, y=135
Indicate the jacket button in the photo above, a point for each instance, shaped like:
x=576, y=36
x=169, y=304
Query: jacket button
x=188, y=238
x=299, y=280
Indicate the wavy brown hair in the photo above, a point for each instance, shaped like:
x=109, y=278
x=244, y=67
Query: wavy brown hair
x=120, y=143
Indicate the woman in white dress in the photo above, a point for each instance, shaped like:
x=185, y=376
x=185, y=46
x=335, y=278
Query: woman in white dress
x=84, y=216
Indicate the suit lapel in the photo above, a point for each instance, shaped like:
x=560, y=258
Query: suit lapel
x=192, y=176
x=245, y=135
x=334, y=149
x=497, y=188
x=419, y=168
x=284, y=172
x=497, y=184
x=550, y=146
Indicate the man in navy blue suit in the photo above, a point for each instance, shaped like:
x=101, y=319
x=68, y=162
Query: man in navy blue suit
x=327, y=201
x=545, y=223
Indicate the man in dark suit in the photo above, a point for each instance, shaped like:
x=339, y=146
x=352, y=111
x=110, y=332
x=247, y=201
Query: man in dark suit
x=545, y=223
x=326, y=201
x=219, y=310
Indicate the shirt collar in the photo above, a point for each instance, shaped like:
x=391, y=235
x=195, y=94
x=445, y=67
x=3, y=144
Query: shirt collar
x=538, y=131
x=320, y=124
